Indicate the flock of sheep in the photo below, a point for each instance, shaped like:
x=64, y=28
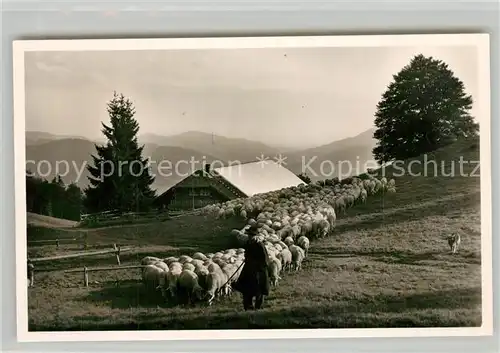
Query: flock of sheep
x=205, y=277
x=200, y=277
x=285, y=220
x=306, y=210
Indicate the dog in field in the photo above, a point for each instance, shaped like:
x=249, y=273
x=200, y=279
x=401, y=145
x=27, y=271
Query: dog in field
x=454, y=242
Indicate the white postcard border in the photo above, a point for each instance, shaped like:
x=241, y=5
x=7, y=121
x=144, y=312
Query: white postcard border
x=480, y=41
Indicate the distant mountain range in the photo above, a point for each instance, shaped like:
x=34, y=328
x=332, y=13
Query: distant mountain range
x=194, y=149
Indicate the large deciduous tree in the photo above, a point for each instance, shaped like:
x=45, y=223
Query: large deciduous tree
x=424, y=108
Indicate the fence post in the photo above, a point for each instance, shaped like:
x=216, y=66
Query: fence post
x=57, y=243
x=117, y=253
x=85, y=241
x=85, y=276
x=31, y=273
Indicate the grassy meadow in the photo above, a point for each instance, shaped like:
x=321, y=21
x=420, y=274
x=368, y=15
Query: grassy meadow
x=386, y=265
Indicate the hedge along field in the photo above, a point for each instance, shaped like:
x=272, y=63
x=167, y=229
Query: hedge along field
x=386, y=265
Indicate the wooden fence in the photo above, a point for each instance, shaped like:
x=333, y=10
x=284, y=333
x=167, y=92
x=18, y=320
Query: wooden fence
x=87, y=270
x=83, y=240
x=116, y=250
x=115, y=216
x=56, y=241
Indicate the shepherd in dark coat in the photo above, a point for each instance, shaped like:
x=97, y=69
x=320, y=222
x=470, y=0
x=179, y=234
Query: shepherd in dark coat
x=254, y=278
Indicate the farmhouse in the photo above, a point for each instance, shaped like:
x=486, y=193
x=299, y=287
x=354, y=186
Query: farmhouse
x=208, y=186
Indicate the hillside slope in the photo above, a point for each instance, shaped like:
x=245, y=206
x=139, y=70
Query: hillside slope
x=346, y=157
x=37, y=220
x=225, y=148
x=71, y=156
x=387, y=265
x=200, y=147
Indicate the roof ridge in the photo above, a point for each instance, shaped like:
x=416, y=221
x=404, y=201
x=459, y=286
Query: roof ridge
x=243, y=163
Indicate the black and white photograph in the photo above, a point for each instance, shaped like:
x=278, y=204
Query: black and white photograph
x=253, y=187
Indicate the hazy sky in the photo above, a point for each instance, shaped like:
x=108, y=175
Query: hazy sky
x=297, y=97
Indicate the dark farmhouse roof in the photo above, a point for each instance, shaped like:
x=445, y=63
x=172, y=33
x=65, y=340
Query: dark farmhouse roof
x=247, y=179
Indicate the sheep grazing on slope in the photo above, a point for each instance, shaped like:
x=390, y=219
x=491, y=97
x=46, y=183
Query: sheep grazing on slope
x=162, y=265
x=153, y=277
x=285, y=220
x=274, y=271
x=331, y=216
x=197, y=263
x=202, y=273
x=340, y=204
x=188, y=266
x=303, y=242
x=286, y=259
x=184, y=258
x=188, y=285
x=323, y=228
x=148, y=260
x=298, y=256
x=199, y=256
x=214, y=283
x=170, y=260
x=363, y=196
x=172, y=279
x=288, y=241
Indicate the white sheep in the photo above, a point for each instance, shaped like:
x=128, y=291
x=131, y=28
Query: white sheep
x=170, y=260
x=363, y=196
x=199, y=256
x=214, y=282
x=340, y=204
x=288, y=241
x=188, y=284
x=153, y=277
x=213, y=267
x=304, y=243
x=324, y=228
x=162, y=265
x=286, y=258
x=274, y=268
x=175, y=265
x=197, y=262
x=330, y=215
x=149, y=260
x=184, y=258
x=283, y=245
x=298, y=256
x=188, y=266
x=202, y=273
x=172, y=279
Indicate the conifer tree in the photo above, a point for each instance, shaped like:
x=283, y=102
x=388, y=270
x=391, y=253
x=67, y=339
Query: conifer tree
x=120, y=178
